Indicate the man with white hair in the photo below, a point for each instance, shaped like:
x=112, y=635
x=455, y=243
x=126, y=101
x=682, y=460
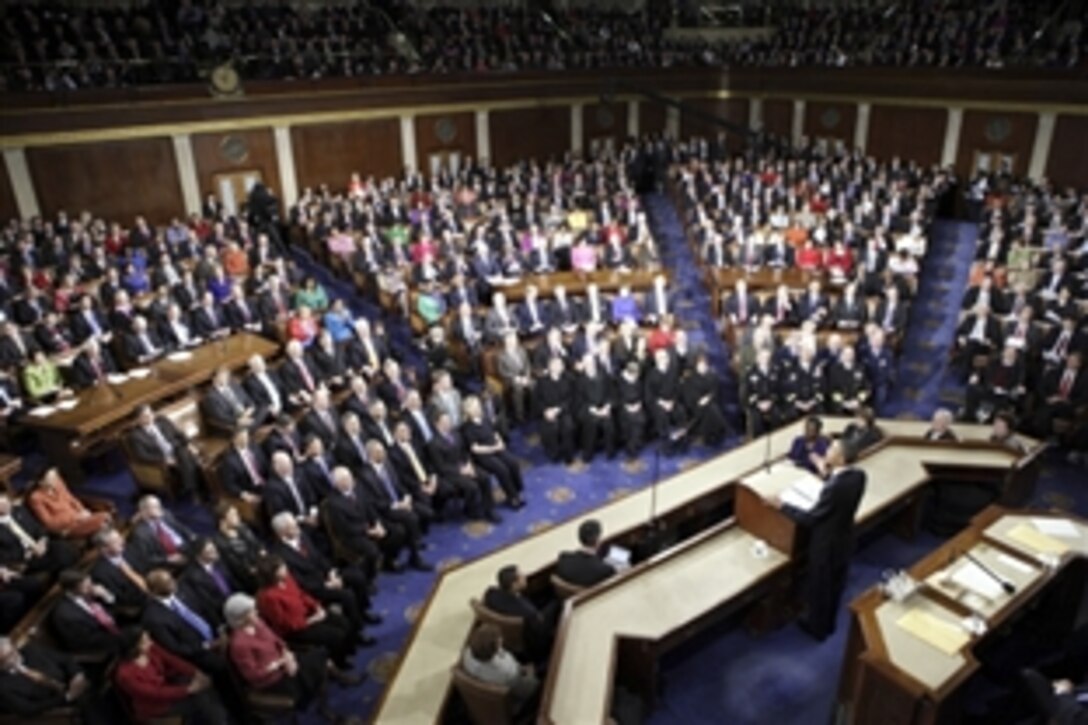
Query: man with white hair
x=299, y=378
x=397, y=510
x=264, y=386
x=940, y=427
x=25, y=544
x=347, y=587
x=287, y=492
x=157, y=538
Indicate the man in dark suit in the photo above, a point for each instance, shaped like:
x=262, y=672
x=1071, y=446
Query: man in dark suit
x=207, y=580
x=155, y=439
x=240, y=312
x=453, y=463
x=92, y=365
x=554, y=399
x=830, y=525
x=35, y=680
x=264, y=386
x=208, y=319
x=509, y=599
x=16, y=347
x=298, y=376
x=226, y=406
x=175, y=621
x=116, y=569
x=348, y=586
x=741, y=308
x=51, y=336
x=355, y=523
x=157, y=538
x=394, y=504
x=584, y=567
x=87, y=322
x=891, y=313
x=26, y=546
x=79, y=620
x=243, y=468
x=978, y=335
x=350, y=448
x=321, y=420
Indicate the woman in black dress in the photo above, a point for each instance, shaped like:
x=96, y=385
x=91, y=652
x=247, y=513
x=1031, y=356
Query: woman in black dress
x=699, y=391
x=489, y=452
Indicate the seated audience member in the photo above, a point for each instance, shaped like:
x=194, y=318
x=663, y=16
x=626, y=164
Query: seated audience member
x=265, y=663
x=226, y=406
x=299, y=618
x=699, y=393
x=592, y=409
x=396, y=507
x=302, y=326
x=208, y=580
x=157, y=538
x=940, y=428
x=515, y=371
x=863, y=432
x=158, y=684
x=12, y=405
x=762, y=394
x=847, y=385
x=242, y=468
x=92, y=365
x=264, y=386
x=808, y=449
x=173, y=620
x=141, y=344
x=1003, y=433
x=155, y=439
x=338, y=321
x=238, y=547
x=487, y=661
x=176, y=332
x=81, y=620
x=489, y=452
x=208, y=319
x=667, y=416
x=25, y=545
x=553, y=396
x=116, y=569
x=61, y=513
x=509, y=598
x=348, y=587
x=42, y=380
x=35, y=680
x=297, y=375
x=312, y=295
x=329, y=361
x=585, y=567
x=1062, y=391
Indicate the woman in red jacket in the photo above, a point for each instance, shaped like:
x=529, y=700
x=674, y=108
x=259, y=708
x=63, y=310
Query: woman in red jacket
x=264, y=661
x=159, y=684
x=299, y=618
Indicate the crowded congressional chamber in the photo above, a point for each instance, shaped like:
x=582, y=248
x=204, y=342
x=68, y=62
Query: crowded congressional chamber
x=556, y=362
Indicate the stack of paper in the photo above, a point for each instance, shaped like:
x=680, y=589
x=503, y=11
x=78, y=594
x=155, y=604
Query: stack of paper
x=803, y=493
x=1061, y=528
x=970, y=577
x=945, y=636
x=1037, y=541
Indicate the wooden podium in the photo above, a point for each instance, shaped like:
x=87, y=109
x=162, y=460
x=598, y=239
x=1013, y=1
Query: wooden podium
x=900, y=673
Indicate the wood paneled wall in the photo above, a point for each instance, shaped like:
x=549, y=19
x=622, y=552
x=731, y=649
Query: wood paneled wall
x=445, y=132
x=328, y=153
x=831, y=120
x=243, y=150
x=8, y=208
x=778, y=117
x=993, y=131
x=1068, y=162
x=916, y=134
x=604, y=120
x=115, y=180
x=540, y=132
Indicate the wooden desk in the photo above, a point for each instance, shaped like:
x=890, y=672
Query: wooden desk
x=891, y=675
x=419, y=686
x=684, y=589
x=101, y=411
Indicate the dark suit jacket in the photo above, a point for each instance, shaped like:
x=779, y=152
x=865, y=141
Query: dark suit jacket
x=202, y=590
x=147, y=552
x=77, y=631
x=204, y=326
x=21, y=696
x=293, y=380
x=831, y=521
x=127, y=595
x=448, y=455
x=168, y=629
x=405, y=472
x=312, y=424
x=143, y=443
x=582, y=568
x=217, y=409
x=81, y=329
x=277, y=496
x=134, y=350
x=236, y=317
x=349, y=518
x=235, y=477
x=83, y=373
x=9, y=351
x=374, y=490
x=11, y=549
x=310, y=570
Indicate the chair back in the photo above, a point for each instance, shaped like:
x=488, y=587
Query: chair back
x=563, y=588
x=487, y=704
x=512, y=628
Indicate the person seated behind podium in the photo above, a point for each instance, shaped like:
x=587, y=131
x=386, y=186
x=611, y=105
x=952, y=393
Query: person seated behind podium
x=863, y=432
x=830, y=523
x=141, y=344
x=487, y=661
x=155, y=439
x=159, y=684
x=35, y=680
x=91, y=366
x=584, y=567
x=509, y=599
x=808, y=449
x=940, y=427
x=157, y=538
x=227, y=406
x=42, y=380
x=61, y=513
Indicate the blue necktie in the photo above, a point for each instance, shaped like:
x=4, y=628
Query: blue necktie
x=193, y=619
x=389, y=490
x=220, y=581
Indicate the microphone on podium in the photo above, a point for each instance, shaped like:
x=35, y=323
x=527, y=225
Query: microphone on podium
x=1007, y=585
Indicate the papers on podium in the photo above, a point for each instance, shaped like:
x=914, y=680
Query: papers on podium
x=947, y=637
x=803, y=492
x=1056, y=527
x=970, y=577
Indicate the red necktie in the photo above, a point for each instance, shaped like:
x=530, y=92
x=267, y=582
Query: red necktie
x=1067, y=385
x=306, y=376
x=251, y=466
x=166, y=539
x=102, y=617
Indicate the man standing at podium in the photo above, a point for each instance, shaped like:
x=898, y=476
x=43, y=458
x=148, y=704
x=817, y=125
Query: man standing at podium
x=830, y=524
